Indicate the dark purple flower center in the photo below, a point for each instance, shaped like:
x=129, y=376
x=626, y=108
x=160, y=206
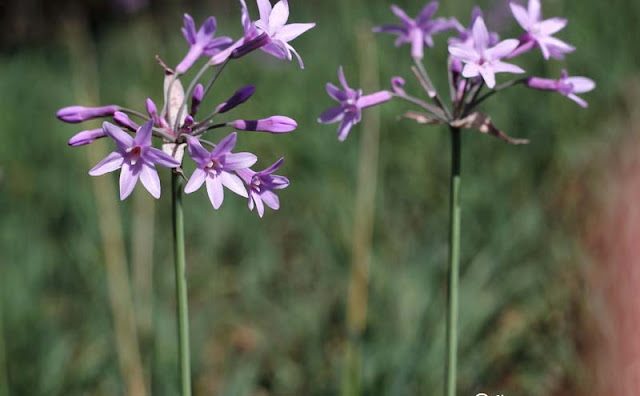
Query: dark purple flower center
x=134, y=154
x=256, y=183
x=214, y=165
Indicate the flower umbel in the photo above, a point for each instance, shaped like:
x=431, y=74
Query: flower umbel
x=137, y=159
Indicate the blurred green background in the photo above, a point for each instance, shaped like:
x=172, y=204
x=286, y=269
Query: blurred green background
x=268, y=296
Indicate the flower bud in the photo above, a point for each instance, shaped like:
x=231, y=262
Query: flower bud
x=275, y=124
x=86, y=137
x=76, y=114
x=123, y=120
x=397, y=83
x=196, y=99
x=238, y=98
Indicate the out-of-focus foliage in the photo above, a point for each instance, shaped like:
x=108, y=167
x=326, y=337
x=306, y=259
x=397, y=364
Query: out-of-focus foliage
x=267, y=297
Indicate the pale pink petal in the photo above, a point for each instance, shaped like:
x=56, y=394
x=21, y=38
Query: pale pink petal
x=556, y=45
x=251, y=204
x=233, y=183
x=342, y=79
x=150, y=180
x=279, y=182
x=578, y=100
x=279, y=15
x=195, y=181
x=264, y=7
x=270, y=199
x=291, y=31
x=225, y=146
x=123, y=139
x=259, y=204
x=128, y=178
x=502, y=49
x=143, y=135
x=464, y=53
x=480, y=35
x=489, y=76
x=545, y=50
x=401, y=14
x=534, y=11
x=293, y=50
x=345, y=127
x=276, y=165
x=521, y=15
x=581, y=84
x=503, y=67
x=239, y=161
x=470, y=70
x=215, y=191
x=161, y=158
x=551, y=26
x=275, y=50
x=110, y=163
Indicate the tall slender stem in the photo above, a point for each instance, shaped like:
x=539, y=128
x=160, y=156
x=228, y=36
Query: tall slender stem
x=454, y=265
x=181, y=284
x=363, y=227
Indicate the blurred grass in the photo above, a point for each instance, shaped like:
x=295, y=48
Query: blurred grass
x=268, y=296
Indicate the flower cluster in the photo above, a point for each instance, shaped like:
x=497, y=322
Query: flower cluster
x=476, y=56
x=178, y=125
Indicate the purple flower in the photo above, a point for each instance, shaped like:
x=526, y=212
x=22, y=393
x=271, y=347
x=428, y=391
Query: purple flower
x=137, y=159
x=274, y=124
x=216, y=167
x=270, y=32
x=481, y=59
x=540, y=32
x=262, y=185
x=86, y=137
x=77, y=114
x=417, y=31
x=273, y=22
x=238, y=98
x=565, y=85
x=200, y=42
x=349, y=112
x=465, y=35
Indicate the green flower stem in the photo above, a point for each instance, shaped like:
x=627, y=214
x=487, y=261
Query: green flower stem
x=181, y=284
x=454, y=265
